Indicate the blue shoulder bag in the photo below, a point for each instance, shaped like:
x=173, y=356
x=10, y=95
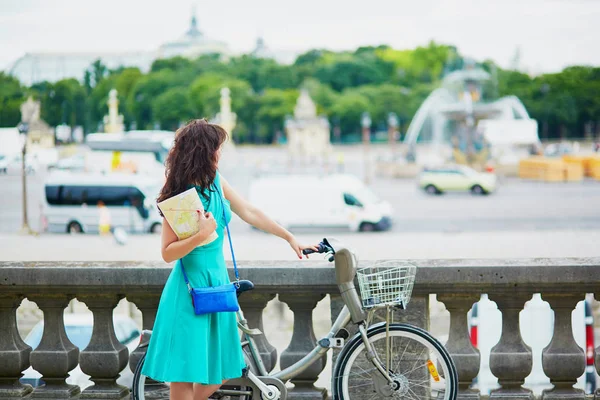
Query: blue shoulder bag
x=214, y=299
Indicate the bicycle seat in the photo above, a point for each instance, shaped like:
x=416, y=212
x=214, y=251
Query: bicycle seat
x=244, y=287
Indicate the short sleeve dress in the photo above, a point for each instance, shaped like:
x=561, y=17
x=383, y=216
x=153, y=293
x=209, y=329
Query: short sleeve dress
x=186, y=347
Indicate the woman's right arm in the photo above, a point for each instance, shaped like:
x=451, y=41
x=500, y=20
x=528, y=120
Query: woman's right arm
x=173, y=249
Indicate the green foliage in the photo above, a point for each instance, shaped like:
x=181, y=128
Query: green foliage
x=63, y=102
x=12, y=96
x=342, y=84
x=273, y=106
x=349, y=108
x=172, y=108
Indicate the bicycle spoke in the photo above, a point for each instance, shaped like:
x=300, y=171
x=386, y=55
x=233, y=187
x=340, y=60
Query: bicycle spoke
x=410, y=364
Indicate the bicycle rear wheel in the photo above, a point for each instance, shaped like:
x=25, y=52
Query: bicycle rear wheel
x=419, y=365
x=145, y=388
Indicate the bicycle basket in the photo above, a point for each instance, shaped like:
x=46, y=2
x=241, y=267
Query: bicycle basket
x=386, y=283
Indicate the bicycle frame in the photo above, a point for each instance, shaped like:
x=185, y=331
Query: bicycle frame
x=319, y=350
x=345, y=270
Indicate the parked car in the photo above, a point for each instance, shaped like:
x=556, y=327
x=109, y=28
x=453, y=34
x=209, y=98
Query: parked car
x=14, y=163
x=456, y=178
x=73, y=163
x=4, y=162
x=79, y=331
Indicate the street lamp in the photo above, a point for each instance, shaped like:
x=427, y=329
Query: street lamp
x=365, y=121
x=544, y=90
x=393, y=131
x=23, y=128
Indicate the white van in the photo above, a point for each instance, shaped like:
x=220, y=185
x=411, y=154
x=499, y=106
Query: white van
x=71, y=201
x=336, y=201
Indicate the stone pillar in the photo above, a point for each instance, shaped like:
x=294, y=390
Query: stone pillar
x=510, y=359
x=303, y=342
x=253, y=304
x=148, y=305
x=597, y=355
x=56, y=355
x=465, y=356
x=105, y=356
x=563, y=360
x=14, y=353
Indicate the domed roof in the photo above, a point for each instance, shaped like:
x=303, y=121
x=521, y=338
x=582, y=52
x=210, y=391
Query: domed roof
x=192, y=44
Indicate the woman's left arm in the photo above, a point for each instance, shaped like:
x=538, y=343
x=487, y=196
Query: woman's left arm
x=255, y=217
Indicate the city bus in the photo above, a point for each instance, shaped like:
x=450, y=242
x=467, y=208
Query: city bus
x=73, y=202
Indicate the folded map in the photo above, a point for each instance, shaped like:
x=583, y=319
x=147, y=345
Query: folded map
x=181, y=212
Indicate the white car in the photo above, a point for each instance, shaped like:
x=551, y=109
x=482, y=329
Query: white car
x=73, y=163
x=4, y=163
x=79, y=331
x=13, y=162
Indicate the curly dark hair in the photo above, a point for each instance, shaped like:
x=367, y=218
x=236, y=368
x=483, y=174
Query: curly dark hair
x=193, y=158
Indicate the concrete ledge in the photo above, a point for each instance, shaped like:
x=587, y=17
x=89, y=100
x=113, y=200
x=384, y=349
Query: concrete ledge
x=433, y=276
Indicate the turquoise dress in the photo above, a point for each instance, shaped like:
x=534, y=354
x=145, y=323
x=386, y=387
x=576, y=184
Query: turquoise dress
x=186, y=347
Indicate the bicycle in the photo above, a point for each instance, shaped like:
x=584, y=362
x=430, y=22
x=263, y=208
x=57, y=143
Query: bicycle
x=366, y=367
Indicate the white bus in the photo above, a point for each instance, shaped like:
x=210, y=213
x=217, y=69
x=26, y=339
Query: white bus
x=71, y=202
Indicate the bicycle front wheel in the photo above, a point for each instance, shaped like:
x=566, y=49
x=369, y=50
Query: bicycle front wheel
x=419, y=365
x=146, y=388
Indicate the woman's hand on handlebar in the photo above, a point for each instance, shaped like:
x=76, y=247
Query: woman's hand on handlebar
x=297, y=247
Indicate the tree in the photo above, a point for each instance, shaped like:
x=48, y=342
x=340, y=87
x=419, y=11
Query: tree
x=63, y=102
x=323, y=96
x=349, y=108
x=172, y=107
x=123, y=81
x=12, y=96
x=384, y=99
x=274, y=106
x=146, y=89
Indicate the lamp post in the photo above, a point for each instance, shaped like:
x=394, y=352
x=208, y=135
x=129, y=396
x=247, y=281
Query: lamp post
x=393, y=132
x=23, y=128
x=544, y=90
x=365, y=122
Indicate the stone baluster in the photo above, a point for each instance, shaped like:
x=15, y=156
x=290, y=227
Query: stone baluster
x=511, y=359
x=253, y=304
x=148, y=305
x=465, y=356
x=303, y=342
x=104, y=357
x=14, y=353
x=563, y=360
x=56, y=355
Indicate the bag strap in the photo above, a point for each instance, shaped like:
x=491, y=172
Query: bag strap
x=235, y=269
x=185, y=278
x=237, y=275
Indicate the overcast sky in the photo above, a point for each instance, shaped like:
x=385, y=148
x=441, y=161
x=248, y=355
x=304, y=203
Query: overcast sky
x=551, y=34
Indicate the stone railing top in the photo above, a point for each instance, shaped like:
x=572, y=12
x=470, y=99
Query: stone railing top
x=433, y=276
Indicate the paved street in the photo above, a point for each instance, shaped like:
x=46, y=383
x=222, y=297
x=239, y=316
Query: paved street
x=516, y=206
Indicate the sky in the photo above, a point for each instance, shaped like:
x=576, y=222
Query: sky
x=549, y=34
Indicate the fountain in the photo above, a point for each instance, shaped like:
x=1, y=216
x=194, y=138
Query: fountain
x=455, y=124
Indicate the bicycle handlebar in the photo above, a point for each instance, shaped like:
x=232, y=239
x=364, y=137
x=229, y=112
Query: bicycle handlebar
x=321, y=248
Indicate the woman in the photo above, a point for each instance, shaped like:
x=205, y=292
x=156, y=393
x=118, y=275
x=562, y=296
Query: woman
x=198, y=353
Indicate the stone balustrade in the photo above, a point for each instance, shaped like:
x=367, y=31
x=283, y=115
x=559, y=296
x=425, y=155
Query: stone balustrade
x=457, y=283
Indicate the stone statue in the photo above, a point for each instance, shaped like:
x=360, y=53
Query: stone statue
x=225, y=117
x=307, y=133
x=39, y=133
x=113, y=122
